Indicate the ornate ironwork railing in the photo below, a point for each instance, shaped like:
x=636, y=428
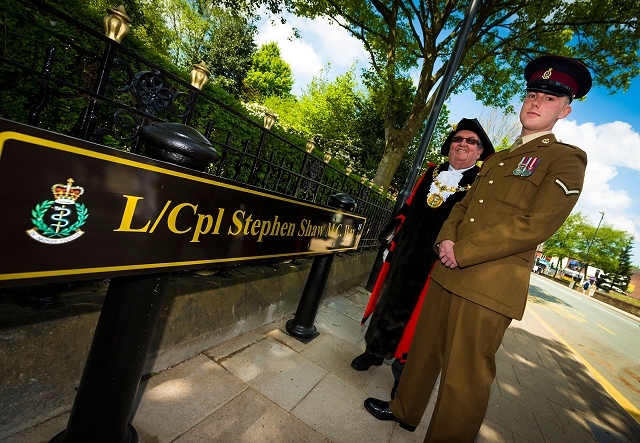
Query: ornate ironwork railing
x=93, y=87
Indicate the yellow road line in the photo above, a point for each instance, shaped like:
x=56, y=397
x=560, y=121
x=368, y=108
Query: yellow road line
x=610, y=332
x=613, y=392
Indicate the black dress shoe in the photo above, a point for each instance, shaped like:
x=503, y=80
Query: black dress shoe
x=364, y=361
x=380, y=409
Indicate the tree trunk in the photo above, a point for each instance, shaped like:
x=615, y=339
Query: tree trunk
x=391, y=159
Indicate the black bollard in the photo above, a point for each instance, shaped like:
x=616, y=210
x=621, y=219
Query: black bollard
x=301, y=326
x=113, y=370
x=126, y=327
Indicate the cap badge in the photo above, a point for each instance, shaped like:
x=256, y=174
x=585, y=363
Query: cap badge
x=545, y=140
x=547, y=74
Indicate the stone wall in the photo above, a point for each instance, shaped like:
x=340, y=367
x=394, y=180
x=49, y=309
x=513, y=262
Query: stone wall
x=43, y=351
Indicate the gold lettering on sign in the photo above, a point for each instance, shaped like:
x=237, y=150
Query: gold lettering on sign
x=127, y=216
x=199, y=229
x=307, y=229
x=204, y=224
x=334, y=230
x=173, y=215
x=217, y=228
x=237, y=222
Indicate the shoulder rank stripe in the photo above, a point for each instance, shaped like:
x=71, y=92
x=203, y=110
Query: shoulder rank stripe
x=565, y=189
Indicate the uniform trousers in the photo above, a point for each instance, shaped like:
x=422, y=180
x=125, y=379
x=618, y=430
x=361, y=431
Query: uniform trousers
x=460, y=339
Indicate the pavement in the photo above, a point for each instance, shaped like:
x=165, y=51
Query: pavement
x=266, y=386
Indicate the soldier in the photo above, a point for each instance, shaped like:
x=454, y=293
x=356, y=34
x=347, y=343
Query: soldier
x=487, y=248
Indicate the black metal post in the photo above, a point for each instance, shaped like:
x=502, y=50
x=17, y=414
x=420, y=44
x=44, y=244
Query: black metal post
x=89, y=115
x=443, y=89
x=113, y=370
x=254, y=167
x=128, y=320
x=301, y=326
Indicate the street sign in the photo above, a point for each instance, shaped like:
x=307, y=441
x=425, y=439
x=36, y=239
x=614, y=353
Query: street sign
x=72, y=210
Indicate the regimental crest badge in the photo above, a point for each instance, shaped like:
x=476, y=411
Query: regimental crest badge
x=59, y=220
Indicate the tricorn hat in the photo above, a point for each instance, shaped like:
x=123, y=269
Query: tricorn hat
x=558, y=75
x=470, y=124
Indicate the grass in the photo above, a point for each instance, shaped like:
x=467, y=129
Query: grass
x=624, y=298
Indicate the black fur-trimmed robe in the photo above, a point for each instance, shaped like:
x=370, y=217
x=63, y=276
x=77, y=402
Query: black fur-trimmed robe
x=404, y=274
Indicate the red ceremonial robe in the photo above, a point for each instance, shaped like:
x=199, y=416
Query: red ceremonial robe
x=397, y=296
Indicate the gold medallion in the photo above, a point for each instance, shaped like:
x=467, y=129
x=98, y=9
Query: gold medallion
x=435, y=200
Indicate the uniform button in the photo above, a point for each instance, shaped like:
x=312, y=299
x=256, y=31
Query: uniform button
x=501, y=164
x=480, y=201
x=490, y=182
x=472, y=220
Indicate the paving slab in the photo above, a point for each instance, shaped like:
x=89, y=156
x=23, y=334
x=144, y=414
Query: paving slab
x=174, y=401
x=276, y=371
x=252, y=418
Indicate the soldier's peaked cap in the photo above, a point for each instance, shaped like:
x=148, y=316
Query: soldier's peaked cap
x=558, y=75
x=470, y=124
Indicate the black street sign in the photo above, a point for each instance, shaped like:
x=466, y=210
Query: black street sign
x=76, y=210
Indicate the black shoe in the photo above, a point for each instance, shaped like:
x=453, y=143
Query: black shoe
x=381, y=410
x=364, y=361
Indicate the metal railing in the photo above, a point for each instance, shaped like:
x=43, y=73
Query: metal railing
x=92, y=87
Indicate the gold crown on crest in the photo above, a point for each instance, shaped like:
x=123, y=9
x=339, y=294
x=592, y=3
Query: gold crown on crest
x=66, y=194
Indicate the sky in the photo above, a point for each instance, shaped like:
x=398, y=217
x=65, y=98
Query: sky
x=605, y=126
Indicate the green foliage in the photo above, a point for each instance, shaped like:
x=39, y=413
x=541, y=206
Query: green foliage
x=577, y=238
x=219, y=37
x=405, y=34
x=269, y=75
x=622, y=274
x=565, y=242
x=27, y=32
x=348, y=121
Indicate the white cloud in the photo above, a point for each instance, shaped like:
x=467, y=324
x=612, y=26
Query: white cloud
x=611, y=149
x=320, y=42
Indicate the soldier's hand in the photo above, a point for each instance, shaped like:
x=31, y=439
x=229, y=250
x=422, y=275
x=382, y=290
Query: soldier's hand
x=447, y=256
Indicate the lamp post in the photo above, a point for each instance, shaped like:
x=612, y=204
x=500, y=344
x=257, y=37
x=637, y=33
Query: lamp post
x=586, y=265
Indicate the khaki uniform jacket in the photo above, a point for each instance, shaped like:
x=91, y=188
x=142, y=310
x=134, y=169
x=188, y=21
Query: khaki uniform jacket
x=504, y=217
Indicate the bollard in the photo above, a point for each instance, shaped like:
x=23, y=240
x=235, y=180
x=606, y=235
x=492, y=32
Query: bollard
x=113, y=370
x=128, y=319
x=301, y=326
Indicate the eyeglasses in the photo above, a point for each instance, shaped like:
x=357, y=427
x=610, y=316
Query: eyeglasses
x=469, y=140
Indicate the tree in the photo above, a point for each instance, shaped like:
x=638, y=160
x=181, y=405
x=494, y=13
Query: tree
x=565, y=241
x=343, y=117
x=501, y=127
x=606, y=247
x=401, y=35
x=269, y=75
x=215, y=35
x=228, y=49
x=622, y=275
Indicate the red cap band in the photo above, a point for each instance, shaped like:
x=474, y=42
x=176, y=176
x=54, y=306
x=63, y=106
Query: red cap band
x=556, y=77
